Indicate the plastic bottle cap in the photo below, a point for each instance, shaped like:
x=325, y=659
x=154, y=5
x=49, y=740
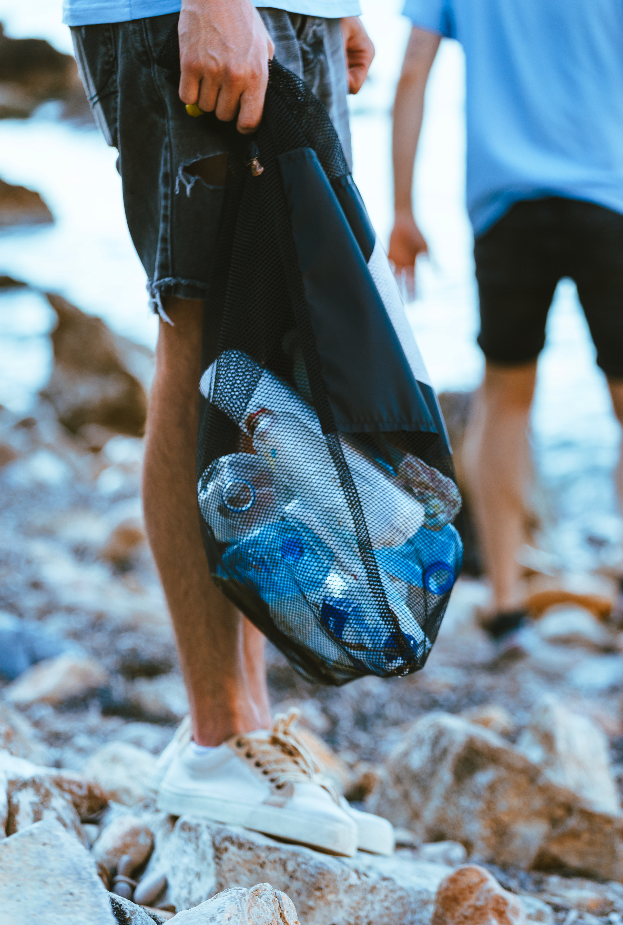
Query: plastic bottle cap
x=438, y=577
x=254, y=419
x=238, y=495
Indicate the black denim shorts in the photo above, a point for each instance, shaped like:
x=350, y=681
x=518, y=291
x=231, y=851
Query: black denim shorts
x=173, y=216
x=519, y=262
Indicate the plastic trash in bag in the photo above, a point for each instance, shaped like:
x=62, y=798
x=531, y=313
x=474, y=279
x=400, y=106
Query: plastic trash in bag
x=326, y=484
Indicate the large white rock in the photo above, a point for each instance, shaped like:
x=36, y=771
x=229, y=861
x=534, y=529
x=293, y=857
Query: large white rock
x=46, y=876
x=86, y=796
x=451, y=779
x=261, y=905
x=56, y=680
x=191, y=871
x=38, y=799
x=325, y=890
x=123, y=771
x=19, y=737
x=572, y=625
x=573, y=752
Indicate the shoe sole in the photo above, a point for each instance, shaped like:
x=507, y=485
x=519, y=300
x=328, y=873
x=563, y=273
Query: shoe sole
x=377, y=840
x=333, y=838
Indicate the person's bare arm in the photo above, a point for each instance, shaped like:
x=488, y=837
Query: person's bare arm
x=224, y=54
x=359, y=52
x=406, y=240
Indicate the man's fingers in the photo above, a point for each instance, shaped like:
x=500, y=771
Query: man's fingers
x=224, y=53
x=189, y=87
x=251, y=108
x=208, y=94
x=357, y=74
x=230, y=90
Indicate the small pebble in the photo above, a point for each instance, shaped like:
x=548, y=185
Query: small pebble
x=150, y=888
x=124, y=889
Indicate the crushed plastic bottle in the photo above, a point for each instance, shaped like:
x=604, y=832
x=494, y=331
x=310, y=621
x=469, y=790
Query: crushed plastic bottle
x=437, y=493
x=392, y=516
x=288, y=566
x=237, y=495
x=430, y=560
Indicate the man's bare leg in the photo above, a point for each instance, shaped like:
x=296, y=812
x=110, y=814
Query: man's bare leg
x=497, y=466
x=222, y=655
x=616, y=394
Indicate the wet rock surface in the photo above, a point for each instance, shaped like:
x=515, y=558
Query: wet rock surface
x=18, y=205
x=96, y=378
x=33, y=71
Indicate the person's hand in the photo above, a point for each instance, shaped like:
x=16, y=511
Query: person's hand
x=359, y=52
x=224, y=54
x=405, y=244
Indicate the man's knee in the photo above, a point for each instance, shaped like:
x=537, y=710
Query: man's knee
x=178, y=354
x=616, y=393
x=509, y=388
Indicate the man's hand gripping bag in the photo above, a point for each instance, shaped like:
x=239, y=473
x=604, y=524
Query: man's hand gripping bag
x=326, y=483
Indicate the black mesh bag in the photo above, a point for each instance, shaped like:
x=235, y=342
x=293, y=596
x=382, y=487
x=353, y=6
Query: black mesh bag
x=326, y=485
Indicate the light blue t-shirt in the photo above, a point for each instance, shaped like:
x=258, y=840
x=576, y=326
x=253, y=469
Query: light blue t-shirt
x=91, y=12
x=544, y=98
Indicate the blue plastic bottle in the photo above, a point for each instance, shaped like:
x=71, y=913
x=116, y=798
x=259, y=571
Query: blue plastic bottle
x=288, y=566
x=431, y=559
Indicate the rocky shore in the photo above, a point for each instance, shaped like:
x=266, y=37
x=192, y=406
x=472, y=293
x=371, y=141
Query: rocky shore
x=503, y=779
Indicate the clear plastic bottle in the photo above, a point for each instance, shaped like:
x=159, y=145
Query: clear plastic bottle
x=237, y=495
x=372, y=480
x=301, y=461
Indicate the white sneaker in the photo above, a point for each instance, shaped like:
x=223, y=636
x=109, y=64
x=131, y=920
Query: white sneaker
x=183, y=735
x=374, y=834
x=264, y=781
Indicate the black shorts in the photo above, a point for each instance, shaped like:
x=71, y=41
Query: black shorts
x=519, y=262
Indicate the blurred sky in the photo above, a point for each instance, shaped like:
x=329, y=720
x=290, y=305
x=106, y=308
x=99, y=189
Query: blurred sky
x=87, y=256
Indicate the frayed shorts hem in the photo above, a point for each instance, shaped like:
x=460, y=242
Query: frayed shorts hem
x=161, y=289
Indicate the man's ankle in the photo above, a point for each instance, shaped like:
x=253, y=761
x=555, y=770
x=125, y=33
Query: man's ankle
x=211, y=734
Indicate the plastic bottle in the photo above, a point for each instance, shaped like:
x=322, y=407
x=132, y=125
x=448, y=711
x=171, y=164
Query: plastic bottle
x=287, y=566
x=301, y=460
x=353, y=618
x=431, y=560
x=237, y=495
x=392, y=513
